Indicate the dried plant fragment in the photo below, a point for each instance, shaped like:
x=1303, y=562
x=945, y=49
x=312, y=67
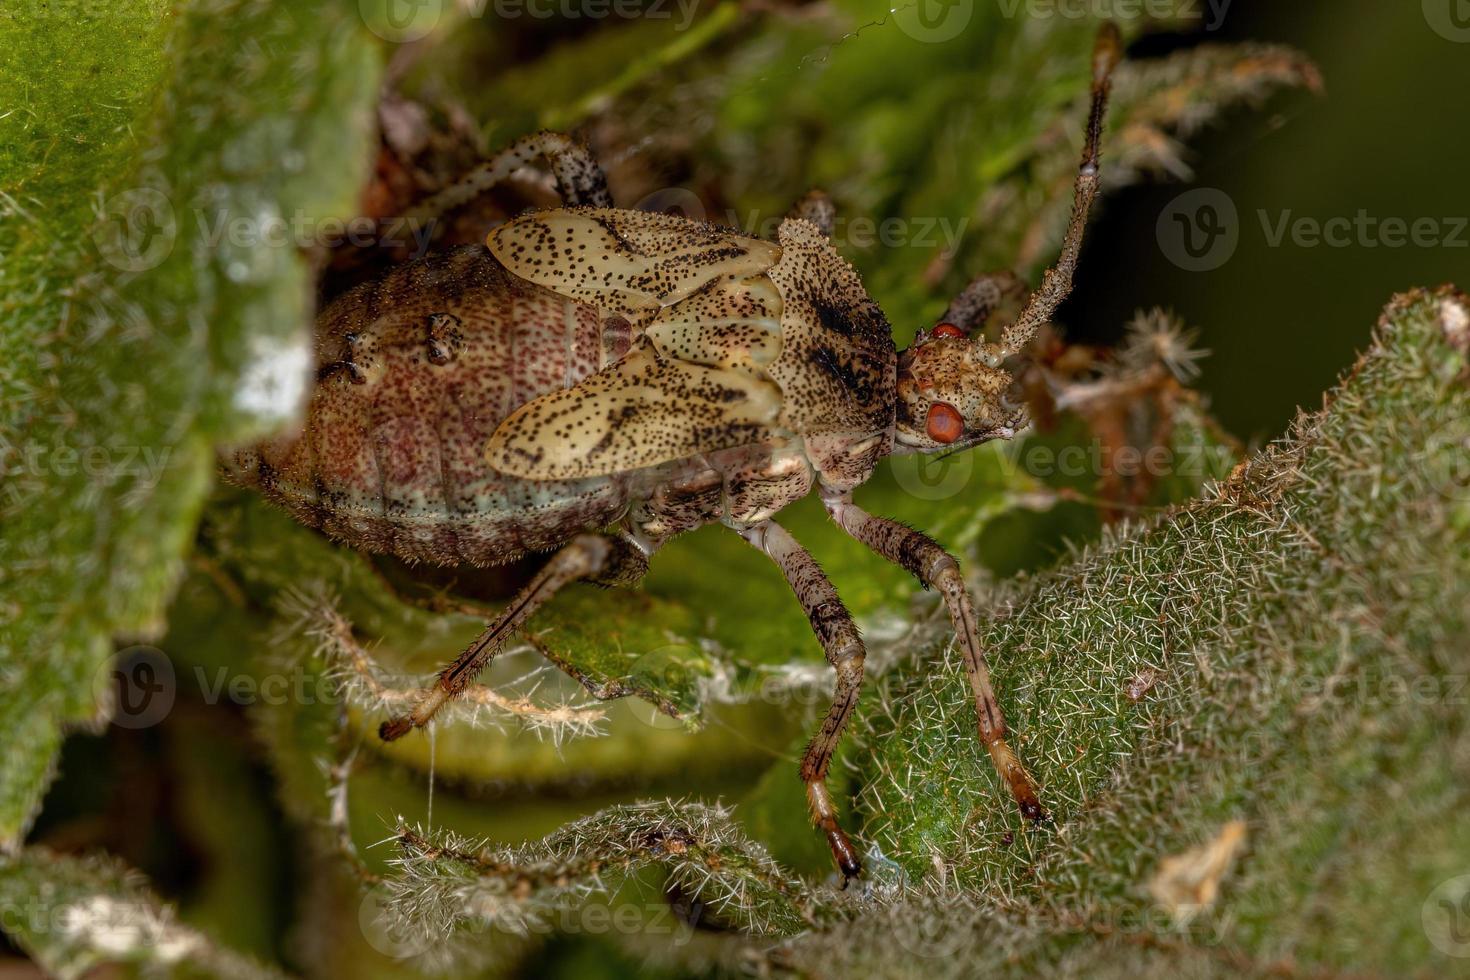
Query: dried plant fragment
x=1188, y=884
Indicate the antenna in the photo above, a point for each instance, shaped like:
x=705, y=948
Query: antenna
x=1057, y=282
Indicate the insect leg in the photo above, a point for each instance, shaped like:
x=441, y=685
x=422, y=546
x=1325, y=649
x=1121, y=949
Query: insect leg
x=586, y=556
x=815, y=206
x=973, y=306
x=579, y=178
x=844, y=648
x=936, y=568
x=1057, y=282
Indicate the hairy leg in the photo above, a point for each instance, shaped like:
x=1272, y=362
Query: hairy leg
x=586, y=556
x=844, y=649
x=815, y=206
x=579, y=178
x=977, y=301
x=937, y=569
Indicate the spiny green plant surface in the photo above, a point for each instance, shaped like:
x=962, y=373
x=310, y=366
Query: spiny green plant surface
x=1288, y=654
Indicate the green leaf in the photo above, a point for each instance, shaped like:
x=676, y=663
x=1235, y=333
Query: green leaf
x=72, y=915
x=141, y=328
x=462, y=899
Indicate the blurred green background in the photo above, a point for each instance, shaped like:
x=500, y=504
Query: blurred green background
x=186, y=800
x=1387, y=137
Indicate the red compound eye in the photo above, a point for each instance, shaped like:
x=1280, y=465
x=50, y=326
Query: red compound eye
x=945, y=422
x=946, y=330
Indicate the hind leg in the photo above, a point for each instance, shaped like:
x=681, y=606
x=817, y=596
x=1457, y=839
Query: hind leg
x=579, y=178
x=844, y=648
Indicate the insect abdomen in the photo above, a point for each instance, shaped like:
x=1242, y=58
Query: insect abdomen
x=417, y=370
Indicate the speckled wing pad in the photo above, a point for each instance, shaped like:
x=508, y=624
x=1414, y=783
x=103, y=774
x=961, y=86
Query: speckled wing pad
x=625, y=261
x=696, y=381
x=643, y=410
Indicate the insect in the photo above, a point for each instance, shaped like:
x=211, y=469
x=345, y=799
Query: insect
x=592, y=382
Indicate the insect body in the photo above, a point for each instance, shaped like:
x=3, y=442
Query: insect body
x=595, y=381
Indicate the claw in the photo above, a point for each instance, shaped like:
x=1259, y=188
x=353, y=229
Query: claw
x=1023, y=789
x=847, y=860
x=395, y=728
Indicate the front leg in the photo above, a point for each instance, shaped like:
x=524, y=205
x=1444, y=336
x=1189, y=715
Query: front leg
x=986, y=292
x=844, y=648
x=586, y=557
x=937, y=569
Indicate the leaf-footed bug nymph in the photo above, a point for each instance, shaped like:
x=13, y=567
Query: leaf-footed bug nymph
x=593, y=381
